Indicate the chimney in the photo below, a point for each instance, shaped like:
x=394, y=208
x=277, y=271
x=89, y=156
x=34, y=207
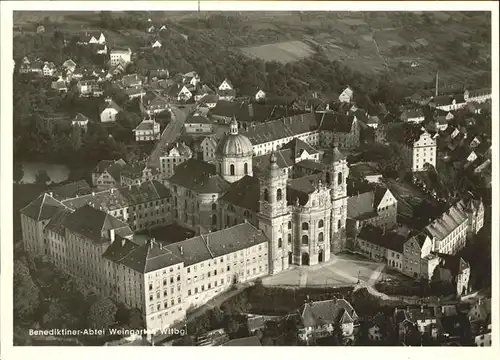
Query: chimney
x=123, y=242
x=112, y=236
x=181, y=250
x=422, y=309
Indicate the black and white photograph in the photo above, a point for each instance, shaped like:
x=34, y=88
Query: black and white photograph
x=215, y=176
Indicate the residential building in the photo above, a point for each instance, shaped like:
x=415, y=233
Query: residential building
x=478, y=96
x=156, y=105
x=156, y=45
x=380, y=245
x=174, y=155
x=69, y=65
x=80, y=120
x=179, y=93
x=208, y=147
x=117, y=56
x=107, y=173
x=418, y=245
x=60, y=85
x=346, y=96
x=320, y=319
x=448, y=268
x=377, y=207
x=108, y=114
x=420, y=151
x=131, y=81
x=226, y=91
x=415, y=116
x=270, y=136
x=366, y=171
x=48, y=69
x=341, y=130
x=449, y=231
x=197, y=124
x=147, y=130
x=87, y=85
x=485, y=338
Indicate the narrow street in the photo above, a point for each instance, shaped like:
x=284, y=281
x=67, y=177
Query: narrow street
x=171, y=132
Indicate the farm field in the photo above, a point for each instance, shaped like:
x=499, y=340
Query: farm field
x=283, y=51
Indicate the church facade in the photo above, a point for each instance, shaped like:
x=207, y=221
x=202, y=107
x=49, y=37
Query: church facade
x=303, y=218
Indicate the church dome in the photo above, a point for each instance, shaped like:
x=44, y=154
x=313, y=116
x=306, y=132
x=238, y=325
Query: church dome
x=234, y=144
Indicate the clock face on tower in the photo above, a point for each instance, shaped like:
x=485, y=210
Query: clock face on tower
x=266, y=206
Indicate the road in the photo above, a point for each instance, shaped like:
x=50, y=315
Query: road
x=171, y=132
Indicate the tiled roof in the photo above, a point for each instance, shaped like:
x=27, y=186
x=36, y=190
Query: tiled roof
x=225, y=108
x=197, y=119
x=102, y=166
x=113, y=105
x=379, y=194
x=42, y=208
x=150, y=257
x=92, y=223
x=244, y=193
x=199, y=176
x=120, y=198
x=279, y=129
x=284, y=160
x=146, y=125
x=220, y=243
x=361, y=205
x=298, y=147
x=182, y=148
x=389, y=240
x=413, y=113
x=335, y=122
x=56, y=223
x=81, y=118
x=301, y=188
x=230, y=92
x=443, y=100
x=256, y=323
x=448, y=222
x=71, y=190
x=247, y=341
x=310, y=165
x=320, y=313
x=334, y=154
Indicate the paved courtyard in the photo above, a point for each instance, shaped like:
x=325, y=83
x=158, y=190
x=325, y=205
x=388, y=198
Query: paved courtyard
x=343, y=269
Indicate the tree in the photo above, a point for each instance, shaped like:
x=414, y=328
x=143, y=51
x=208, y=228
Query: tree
x=102, y=314
x=18, y=172
x=42, y=177
x=26, y=293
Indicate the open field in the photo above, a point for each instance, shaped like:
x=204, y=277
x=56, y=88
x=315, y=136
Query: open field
x=406, y=46
x=283, y=52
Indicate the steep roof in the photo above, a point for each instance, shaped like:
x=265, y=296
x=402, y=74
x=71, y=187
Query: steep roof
x=92, y=223
x=284, y=159
x=389, y=240
x=335, y=122
x=56, y=223
x=279, y=129
x=320, y=313
x=71, y=190
x=199, y=176
x=301, y=188
x=154, y=256
x=244, y=193
x=197, y=119
x=447, y=222
x=361, y=206
x=42, y=208
x=298, y=147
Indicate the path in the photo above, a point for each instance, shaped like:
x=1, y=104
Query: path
x=171, y=132
x=376, y=274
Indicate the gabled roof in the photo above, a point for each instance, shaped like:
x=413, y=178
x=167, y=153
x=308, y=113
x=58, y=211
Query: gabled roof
x=361, y=206
x=197, y=119
x=92, y=223
x=81, y=118
x=325, y=312
x=112, y=105
x=298, y=146
x=389, y=240
x=244, y=193
x=299, y=189
x=154, y=256
x=71, y=190
x=284, y=159
x=279, y=129
x=335, y=122
x=199, y=176
x=56, y=223
x=447, y=222
x=42, y=208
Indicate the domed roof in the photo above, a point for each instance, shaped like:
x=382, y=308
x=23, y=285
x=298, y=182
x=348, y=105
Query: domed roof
x=234, y=144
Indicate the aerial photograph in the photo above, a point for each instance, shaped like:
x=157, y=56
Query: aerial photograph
x=252, y=178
